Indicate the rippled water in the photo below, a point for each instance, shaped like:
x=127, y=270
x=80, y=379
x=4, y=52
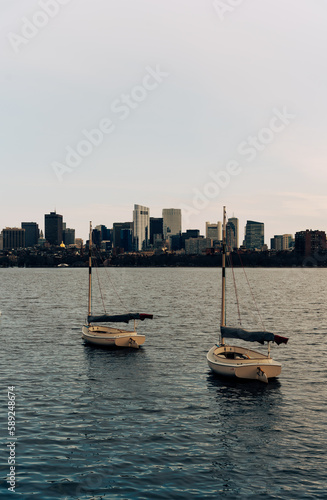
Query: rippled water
x=154, y=423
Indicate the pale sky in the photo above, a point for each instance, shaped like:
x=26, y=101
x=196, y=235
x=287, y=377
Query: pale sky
x=184, y=91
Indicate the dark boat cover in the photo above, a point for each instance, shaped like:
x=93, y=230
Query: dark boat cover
x=119, y=318
x=239, y=333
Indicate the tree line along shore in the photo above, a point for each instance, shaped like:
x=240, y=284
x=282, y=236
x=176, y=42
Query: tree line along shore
x=67, y=258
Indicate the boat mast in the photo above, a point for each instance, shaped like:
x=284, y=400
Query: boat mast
x=223, y=280
x=90, y=268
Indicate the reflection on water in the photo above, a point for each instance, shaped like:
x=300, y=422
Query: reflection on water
x=247, y=415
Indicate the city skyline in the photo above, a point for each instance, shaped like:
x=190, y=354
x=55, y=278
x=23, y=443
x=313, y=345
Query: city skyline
x=137, y=218
x=92, y=124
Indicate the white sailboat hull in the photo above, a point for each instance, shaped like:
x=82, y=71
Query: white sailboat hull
x=106, y=336
x=236, y=361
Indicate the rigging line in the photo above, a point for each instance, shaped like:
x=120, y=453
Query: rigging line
x=103, y=303
x=112, y=283
x=253, y=297
x=235, y=287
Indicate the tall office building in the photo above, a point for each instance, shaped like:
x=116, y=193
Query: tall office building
x=156, y=229
x=141, y=226
x=254, y=235
x=276, y=243
x=172, y=222
x=213, y=231
x=69, y=236
x=126, y=240
x=116, y=232
x=96, y=237
x=12, y=238
x=53, y=226
x=190, y=233
x=288, y=241
x=310, y=242
x=282, y=242
x=32, y=233
x=105, y=232
x=232, y=233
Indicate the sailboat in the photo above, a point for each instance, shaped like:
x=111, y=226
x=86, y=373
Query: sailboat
x=233, y=360
x=109, y=336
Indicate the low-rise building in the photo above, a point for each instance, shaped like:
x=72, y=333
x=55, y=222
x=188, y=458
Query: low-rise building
x=196, y=246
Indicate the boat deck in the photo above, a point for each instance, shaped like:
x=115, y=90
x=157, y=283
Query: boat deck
x=105, y=330
x=237, y=353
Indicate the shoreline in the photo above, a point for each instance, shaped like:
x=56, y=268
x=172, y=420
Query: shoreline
x=72, y=259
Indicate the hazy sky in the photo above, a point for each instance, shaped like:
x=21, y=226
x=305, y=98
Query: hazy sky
x=164, y=103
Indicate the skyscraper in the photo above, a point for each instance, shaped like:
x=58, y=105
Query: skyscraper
x=53, y=228
x=96, y=237
x=69, y=236
x=156, y=229
x=288, y=241
x=232, y=233
x=281, y=242
x=141, y=226
x=105, y=232
x=276, y=242
x=213, y=231
x=116, y=232
x=126, y=240
x=309, y=242
x=172, y=221
x=254, y=235
x=32, y=233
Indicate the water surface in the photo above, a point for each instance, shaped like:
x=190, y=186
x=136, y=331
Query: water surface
x=154, y=423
